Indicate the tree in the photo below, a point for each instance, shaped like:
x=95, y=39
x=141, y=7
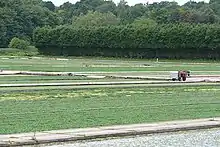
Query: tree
x=84, y=6
x=65, y=13
x=3, y=32
x=215, y=6
x=49, y=5
x=96, y=19
x=163, y=12
x=107, y=6
x=159, y=15
x=137, y=11
x=123, y=12
x=144, y=21
x=214, y=1
x=20, y=17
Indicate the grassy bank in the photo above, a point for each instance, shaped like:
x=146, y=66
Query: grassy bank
x=62, y=109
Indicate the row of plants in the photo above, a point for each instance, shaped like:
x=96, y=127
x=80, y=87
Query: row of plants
x=167, y=40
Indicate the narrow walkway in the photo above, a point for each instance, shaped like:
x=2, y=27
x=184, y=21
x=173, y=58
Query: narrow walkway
x=104, y=132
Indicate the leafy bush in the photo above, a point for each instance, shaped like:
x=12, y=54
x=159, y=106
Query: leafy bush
x=19, y=44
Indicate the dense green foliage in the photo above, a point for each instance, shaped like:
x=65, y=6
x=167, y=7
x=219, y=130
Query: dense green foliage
x=168, y=40
x=19, y=44
x=18, y=18
x=96, y=19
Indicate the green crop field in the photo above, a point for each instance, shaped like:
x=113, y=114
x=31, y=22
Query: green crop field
x=103, y=65
x=52, y=79
x=27, y=109
x=75, y=108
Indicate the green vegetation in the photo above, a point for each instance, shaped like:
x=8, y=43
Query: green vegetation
x=62, y=109
x=103, y=65
x=96, y=19
x=19, y=44
x=51, y=79
x=102, y=28
x=163, y=41
x=31, y=51
x=18, y=18
x=19, y=47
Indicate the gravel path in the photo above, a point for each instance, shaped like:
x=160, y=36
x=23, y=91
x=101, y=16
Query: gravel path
x=202, y=138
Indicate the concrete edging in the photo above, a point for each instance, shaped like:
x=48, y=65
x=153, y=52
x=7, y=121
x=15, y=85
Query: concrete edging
x=104, y=132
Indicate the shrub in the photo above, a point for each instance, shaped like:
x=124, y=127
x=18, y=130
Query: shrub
x=19, y=44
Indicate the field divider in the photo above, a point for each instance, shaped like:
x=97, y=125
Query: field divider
x=159, y=83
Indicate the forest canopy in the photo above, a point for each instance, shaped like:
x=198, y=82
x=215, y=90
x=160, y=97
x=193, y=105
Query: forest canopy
x=83, y=24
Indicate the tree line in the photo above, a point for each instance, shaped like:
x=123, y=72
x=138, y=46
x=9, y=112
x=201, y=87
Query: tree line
x=96, y=26
x=142, y=41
